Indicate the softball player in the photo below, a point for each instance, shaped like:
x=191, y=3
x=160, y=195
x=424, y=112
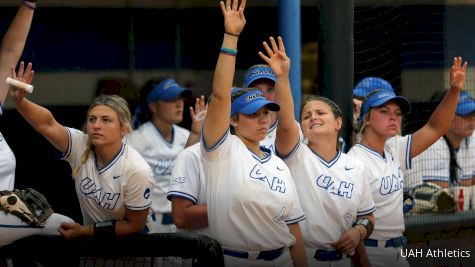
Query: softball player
x=11, y=227
x=253, y=208
x=260, y=76
x=159, y=140
x=113, y=182
x=433, y=165
x=331, y=186
x=188, y=192
x=388, y=155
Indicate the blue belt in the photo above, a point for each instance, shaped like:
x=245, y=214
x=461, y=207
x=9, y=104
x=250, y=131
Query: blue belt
x=267, y=255
x=328, y=255
x=394, y=242
x=167, y=218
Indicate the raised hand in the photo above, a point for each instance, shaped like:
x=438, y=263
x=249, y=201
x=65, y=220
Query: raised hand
x=457, y=74
x=25, y=76
x=276, y=57
x=198, y=115
x=234, y=19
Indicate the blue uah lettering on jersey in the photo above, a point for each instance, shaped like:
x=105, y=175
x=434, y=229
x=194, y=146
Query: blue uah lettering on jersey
x=105, y=199
x=163, y=167
x=344, y=189
x=391, y=184
x=276, y=184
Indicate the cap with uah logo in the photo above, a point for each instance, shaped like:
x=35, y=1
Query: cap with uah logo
x=250, y=102
x=369, y=84
x=379, y=98
x=465, y=105
x=257, y=72
x=167, y=90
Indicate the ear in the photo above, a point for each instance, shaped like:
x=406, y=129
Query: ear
x=233, y=122
x=153, y=106
x=339, y=122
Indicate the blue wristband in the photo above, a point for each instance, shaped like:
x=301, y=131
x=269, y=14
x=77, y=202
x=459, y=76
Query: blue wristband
x=228, y=51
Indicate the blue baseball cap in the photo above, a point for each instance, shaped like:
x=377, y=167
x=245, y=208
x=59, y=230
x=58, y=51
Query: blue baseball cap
x=369, y=84
x=250, y=102
x=167, y=90
x=257, y=72
x=465, y=105
x=381, y=97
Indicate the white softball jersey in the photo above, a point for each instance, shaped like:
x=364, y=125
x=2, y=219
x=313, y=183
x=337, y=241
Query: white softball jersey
x=105, y=193
x=386, y=180
x=7, y=165
x=188, y=180
x=434, y=163
x=332, y=194
x=160, y=155
x=251, y=201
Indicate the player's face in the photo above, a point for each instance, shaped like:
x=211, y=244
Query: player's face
x=386, y=120
x=463, y=127
x=318, y=119
x=103, y=126
x=170, y=111
x=266, y=86
x=254, y=127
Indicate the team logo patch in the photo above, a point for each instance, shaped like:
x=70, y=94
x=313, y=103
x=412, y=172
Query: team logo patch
x=178, y=180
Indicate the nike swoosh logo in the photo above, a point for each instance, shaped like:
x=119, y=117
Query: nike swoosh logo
x=116, y=176
x=348, y=168
x=280, y=169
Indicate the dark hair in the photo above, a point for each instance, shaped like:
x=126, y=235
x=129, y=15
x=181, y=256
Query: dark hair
x=337, y=113
x=239, y=93
x=142, y=112
x=333, y=106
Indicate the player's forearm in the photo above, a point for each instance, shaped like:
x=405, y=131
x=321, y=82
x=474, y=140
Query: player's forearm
x=193, y=217
x=37, y=116
x=360, y=258
x=193, y=138
x=442, y=117
x=297, y=251
x=12, y=45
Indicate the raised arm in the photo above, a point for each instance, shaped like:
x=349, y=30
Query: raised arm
x=197, y=118
x=218, y=116
x=441, y=119
x=39, y=117
x=287, y=129
x=13, y=43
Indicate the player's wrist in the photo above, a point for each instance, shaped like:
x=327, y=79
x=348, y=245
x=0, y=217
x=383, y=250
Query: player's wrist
x=361, y=230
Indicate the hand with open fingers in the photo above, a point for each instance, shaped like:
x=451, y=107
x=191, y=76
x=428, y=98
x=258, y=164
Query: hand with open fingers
x=72, y=230
x=233, y=13
x=276, y=57
x=25, y=76
x=198, y=115
x=348, y=241
x=457, y=74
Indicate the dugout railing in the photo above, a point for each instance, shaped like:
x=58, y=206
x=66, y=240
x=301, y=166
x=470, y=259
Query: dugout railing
x=55, y=251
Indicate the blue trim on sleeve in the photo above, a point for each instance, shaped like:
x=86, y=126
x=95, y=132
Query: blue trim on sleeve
x=296, y=220
x=189, y=197
x=139, y=207
x=435, y=178
x=366, y=212
x=213, y=147
x=70, y=144
x=408, y=153
x=291, y=153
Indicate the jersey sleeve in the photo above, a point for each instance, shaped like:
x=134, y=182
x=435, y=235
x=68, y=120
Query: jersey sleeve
x=296, y=213
x=185, y=180
x=139, y=187
x=366, y=205
x=77, y=141
x=401, y=147
x=220, y=151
